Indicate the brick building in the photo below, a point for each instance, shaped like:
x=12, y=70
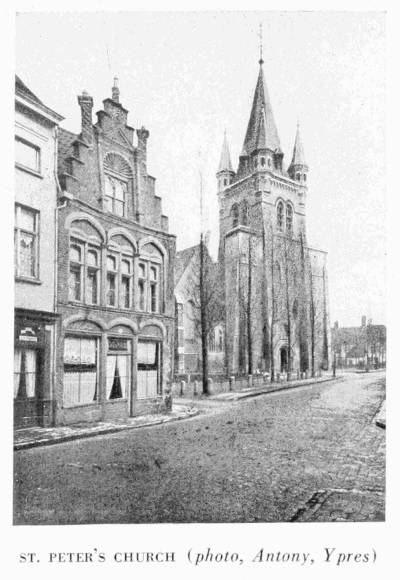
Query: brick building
x=276, y=302
x=115, y=271
x=359, y=346
x=35, y=259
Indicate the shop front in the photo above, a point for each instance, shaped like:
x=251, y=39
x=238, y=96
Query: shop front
x=33, y=368
x=109, y=371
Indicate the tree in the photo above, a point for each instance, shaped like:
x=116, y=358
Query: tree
x=206, y=301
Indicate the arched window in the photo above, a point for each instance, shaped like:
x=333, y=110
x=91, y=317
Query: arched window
x=262, y=161
x=220, y=340
x=245, y=213
x=119, y=290
x=117, y=184
x=235, y=215
x=289, y=219
x=295, y=308
x=279, y=216
x=298, y=176
x=150, y=282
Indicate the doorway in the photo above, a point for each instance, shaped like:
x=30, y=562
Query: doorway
x=284, y=359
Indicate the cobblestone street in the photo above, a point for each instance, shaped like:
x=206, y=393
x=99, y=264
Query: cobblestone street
x=308, y=454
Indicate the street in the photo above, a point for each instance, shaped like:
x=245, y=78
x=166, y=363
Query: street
x=307, y=454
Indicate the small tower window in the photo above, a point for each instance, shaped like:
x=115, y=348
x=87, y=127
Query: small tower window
x=245, y=213
x=225, y=181
x=235, y=215
x=298, y=176
x=304, y=177
x=263, y=161
x=289, y=219
x=269, y=162
x=279, y=216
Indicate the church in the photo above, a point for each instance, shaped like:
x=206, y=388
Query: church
x=276, y=286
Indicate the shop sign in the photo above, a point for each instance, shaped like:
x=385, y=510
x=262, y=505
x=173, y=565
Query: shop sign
x=27, y=334
x=117, y=343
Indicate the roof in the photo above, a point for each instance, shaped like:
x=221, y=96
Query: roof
x=225, y=161
x=65, y=140
x=182, y=260
x=298, y=151
x=23, y=92
x=22, y=89
x=261, y=105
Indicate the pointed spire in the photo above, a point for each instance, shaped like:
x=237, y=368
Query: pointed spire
x=298, y=151
x=225, y=161
x=261, y=107
x=261, y=137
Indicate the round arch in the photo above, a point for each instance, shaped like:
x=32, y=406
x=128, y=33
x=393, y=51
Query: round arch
x=123, y=322
x=153, y=322
x=80, y=216
x=79, y=318
x=122, y=232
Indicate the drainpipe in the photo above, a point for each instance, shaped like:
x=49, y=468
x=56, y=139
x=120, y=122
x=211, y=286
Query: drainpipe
x=55, y=294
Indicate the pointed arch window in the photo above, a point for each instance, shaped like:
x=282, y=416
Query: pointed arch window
x=279, y=216
x=245, y=213
x=235, y=215
x=289, y=219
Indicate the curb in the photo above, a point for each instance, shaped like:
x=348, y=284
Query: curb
x=107, y=431
x=238, y=396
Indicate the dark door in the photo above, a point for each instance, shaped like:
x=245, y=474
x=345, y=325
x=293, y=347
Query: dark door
x=284, y=359
x=26, y=387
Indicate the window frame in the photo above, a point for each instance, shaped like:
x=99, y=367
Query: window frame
x=98, y=340
x=37, y=169
x=280, y=216
x=85, y=268
x=36, y=242
x=112, y=178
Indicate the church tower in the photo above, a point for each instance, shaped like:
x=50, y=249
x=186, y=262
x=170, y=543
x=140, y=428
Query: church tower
x=267, y=267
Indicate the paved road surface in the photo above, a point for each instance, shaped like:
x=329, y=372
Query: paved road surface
x=310, y=454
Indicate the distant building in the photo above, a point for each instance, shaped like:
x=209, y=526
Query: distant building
x=359, y=346
x=188, y=357
x=115, y=272
x=35, y=258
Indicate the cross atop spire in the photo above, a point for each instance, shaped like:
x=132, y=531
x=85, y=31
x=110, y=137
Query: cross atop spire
x=260, y=36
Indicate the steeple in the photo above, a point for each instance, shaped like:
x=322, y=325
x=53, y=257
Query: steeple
x=261, y=107
x=225, y=172
x=298, y=168
x=225, y=161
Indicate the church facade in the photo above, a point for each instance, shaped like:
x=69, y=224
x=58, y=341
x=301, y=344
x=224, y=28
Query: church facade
x=276, y=286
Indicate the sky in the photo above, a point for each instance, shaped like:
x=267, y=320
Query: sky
x=188, y=76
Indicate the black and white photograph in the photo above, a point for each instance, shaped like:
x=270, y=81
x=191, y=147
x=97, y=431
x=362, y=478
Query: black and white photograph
x=199, y=262
x=198, y=291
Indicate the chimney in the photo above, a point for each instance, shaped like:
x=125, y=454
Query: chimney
x=86, y=104
x=363, y=320
x=115, y=91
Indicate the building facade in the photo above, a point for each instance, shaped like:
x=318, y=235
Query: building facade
x=276, y=286
x=115, y=272
x=359, y=346
x=35, y=258
x=188, y=351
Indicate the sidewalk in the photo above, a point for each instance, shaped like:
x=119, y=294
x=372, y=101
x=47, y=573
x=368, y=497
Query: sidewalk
x=380, y=419
x=38, y=436
x=256, y=391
